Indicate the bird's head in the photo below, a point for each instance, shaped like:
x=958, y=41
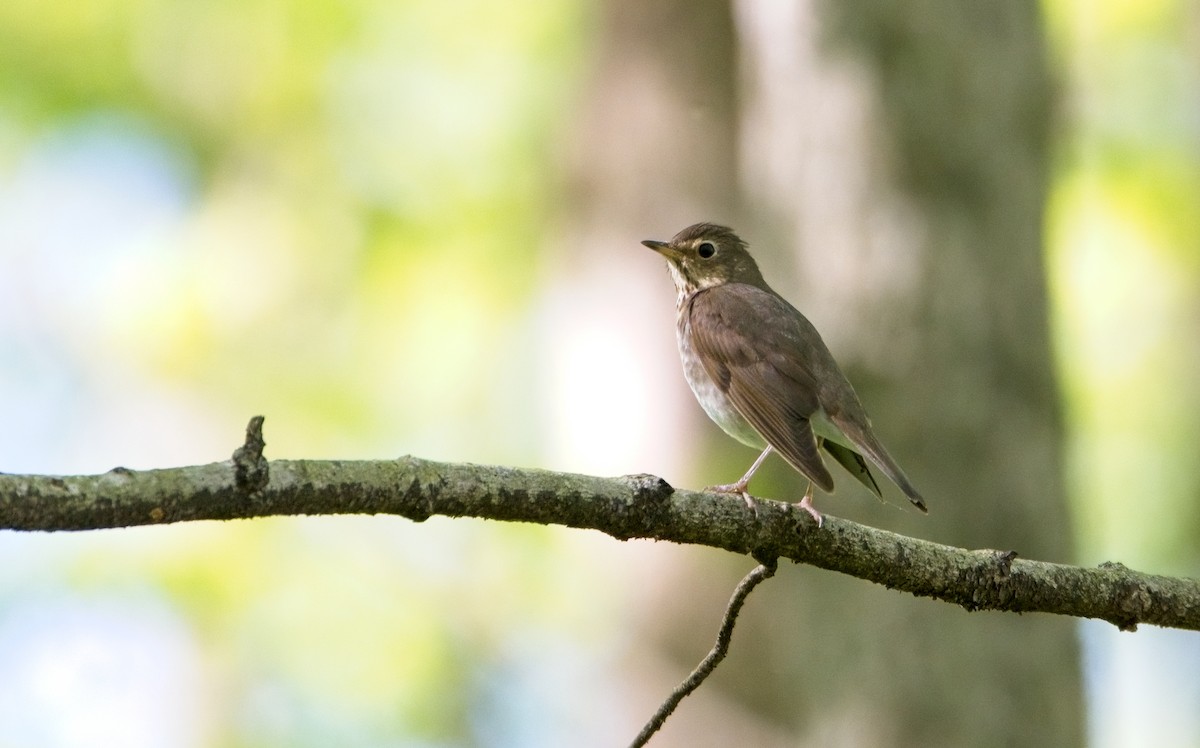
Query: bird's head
x=706, y=255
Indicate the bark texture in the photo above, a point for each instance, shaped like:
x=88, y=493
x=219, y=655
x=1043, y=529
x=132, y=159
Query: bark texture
x=635, y=506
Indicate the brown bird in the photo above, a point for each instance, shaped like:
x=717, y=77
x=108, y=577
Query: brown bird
x=761, y=371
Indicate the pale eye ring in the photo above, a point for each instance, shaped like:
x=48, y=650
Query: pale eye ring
x=706, y=250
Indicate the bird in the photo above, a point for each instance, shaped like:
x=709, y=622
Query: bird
x=761, y=371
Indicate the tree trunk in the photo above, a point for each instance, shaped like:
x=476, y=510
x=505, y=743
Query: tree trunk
x=896, y=153
x=933, y=296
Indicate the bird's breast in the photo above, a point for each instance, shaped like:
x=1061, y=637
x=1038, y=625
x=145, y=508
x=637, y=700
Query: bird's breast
x=712, y=399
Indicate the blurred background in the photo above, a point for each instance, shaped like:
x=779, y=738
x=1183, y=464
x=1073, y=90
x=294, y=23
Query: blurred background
x=412, y=227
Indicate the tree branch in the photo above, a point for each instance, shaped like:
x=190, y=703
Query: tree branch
x=757, y=576
x=637, y=506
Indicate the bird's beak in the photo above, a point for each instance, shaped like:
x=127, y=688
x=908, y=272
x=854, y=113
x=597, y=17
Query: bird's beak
x=664, y=249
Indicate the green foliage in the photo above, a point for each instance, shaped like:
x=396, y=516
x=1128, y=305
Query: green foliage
x=348, y=198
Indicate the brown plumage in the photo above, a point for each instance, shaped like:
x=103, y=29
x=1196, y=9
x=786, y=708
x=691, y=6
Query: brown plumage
x=760, y=369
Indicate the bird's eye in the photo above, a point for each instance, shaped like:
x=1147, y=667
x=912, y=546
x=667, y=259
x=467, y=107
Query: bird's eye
x=706, y=250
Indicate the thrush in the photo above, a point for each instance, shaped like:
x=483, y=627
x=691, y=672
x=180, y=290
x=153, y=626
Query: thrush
x=761, y=370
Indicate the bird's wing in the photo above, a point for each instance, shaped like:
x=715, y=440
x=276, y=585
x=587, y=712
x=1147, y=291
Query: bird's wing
x=745, y=354
x=772, y=364
x=857, y=428
x=854, y=463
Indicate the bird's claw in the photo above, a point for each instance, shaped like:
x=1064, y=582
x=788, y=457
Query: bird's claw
x=740, y=489
x=806, y=505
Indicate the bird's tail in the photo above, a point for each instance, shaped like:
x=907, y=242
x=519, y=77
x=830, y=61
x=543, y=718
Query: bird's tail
x=875, y=452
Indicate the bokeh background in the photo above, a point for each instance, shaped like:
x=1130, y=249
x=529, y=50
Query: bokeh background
x=411, y=226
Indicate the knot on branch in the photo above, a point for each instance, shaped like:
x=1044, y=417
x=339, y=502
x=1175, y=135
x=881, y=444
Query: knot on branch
x=1132, y=599
x=648, y=503
x=250, y=470
x=648, y=489
x=991, y=581
x=1004, y=561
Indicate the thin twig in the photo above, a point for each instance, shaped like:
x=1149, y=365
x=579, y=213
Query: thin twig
x=715, y=655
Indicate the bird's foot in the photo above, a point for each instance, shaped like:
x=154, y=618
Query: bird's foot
x=806, y=505
x=738, y=488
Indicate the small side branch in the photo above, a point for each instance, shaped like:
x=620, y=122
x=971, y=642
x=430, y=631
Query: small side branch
x=640, y=506
x=758, y=575
x=251, y=472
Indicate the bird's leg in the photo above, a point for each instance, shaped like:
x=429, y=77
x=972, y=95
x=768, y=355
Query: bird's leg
x=806, y=505
x=744, y=481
